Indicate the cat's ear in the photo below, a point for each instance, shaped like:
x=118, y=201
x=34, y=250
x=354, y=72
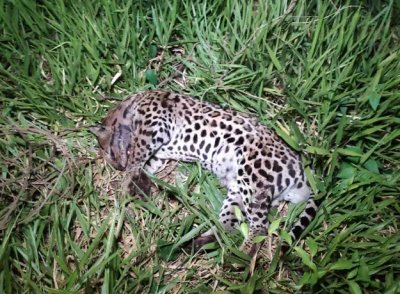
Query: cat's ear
x=100, y=131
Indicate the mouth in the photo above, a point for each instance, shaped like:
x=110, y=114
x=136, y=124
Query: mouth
x=119, y=167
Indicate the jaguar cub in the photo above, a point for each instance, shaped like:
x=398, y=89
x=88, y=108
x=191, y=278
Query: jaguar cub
x=258, y=169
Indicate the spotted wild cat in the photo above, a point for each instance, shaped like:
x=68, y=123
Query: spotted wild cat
x=258, y=169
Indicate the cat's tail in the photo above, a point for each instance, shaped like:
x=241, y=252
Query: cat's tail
x=304, y=220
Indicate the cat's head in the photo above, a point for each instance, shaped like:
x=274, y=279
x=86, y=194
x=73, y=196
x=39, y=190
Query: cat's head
x=115, y=143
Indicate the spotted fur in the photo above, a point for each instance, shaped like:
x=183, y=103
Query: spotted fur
x=258, y=169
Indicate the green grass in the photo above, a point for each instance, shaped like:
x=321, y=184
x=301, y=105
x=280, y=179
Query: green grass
x=325, y=76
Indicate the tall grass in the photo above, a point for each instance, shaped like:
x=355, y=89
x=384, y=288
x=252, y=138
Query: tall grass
x=324, y=75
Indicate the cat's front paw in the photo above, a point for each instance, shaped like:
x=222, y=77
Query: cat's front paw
x=139, y=186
